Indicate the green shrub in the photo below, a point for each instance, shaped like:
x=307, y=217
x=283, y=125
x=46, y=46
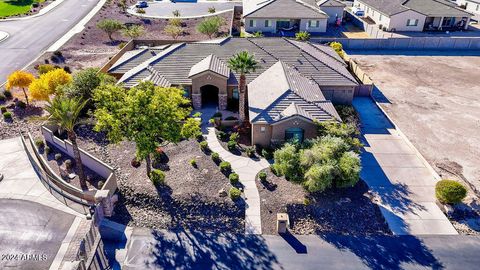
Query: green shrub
x=39, y=143
x=273, y=170
x=231, y=145
x=215, y=156
x=349, y=167
x=157, y=177
x=262, y=176
x=176, y=13
x=47, y=150
x=21, y=104
x=287, y=162
x=338, y=47
x=222, y=135
x=257, y=34
x=267, y=154
x=2, y=97
x=58, y=156
x=175, y=22
x=225, y=166
x=449, y=191
x=302, y=36
x=140, y=11
x=211, y=10
x=250, y=151
x=7, y=94
x=7, y=115
x=204, y=146
x=193, y=162
x=211, y=121
x=3, y=109
x=235, y=193
x=319, y=177
x=121, y=45
x=234, y=137
x=233, y=177
x=45, y=68
x=306, y=201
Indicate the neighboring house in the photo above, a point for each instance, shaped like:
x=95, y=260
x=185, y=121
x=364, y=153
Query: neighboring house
x=333, y=8
x=472, y=6
x=296, y=82
x=272, y=16
x=415, y=15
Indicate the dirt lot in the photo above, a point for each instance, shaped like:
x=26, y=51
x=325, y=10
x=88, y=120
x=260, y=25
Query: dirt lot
x=435, y=100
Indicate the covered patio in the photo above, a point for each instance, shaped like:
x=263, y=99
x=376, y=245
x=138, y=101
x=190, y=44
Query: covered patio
x=446, y=23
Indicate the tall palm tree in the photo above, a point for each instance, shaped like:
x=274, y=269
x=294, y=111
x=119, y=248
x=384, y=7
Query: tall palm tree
x=243, y=63
x=64, y=113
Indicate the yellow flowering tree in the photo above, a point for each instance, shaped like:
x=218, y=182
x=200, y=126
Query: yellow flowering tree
x=48, y=83
x=20, y=79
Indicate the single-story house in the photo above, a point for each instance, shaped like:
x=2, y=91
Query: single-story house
x=472, y=6
x=415, y=15
x=296, y=83
x=272, y=16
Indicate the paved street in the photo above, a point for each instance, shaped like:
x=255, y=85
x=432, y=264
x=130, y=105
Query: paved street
x=196, y=250
x=394, y=170
x=30, y=37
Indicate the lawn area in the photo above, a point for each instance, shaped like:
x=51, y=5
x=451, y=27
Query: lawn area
x=16, y=7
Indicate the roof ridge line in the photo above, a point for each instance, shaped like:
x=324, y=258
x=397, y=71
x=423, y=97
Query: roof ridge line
x=312, y=7
x=303, y=51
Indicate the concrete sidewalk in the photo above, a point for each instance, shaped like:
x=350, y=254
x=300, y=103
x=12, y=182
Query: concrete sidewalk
x=395, y=171
x=20, y=179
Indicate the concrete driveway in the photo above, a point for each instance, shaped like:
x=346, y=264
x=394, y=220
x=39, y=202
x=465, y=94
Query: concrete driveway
x=30, y=234
x=396, y=172
x=164, y=9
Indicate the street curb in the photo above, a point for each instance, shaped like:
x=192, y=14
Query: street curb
x=42, y=12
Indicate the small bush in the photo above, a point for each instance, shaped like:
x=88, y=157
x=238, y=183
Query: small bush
x=48, y=150
x=204, y=146
x=68, y=163
x=39, y=143
x=211, y=121
x=2, y=97
x=176, y=13
x=58, y=156
x=67, y=69
x=235, y=193
x=222, y=135
x=258, y=34
x=449, y=191
x=306, y=201
x=234, y=137
x=302, y=36
x=233, y=177
x=267, y=154
x=176, y=22
x=135, y=162
x=7, y=94
x=215, y=156
x=250, y=151
x=211, y=10
x=262, y=176
x=7, y=115
x=231, y=145
x=122, y=45
x=21, y=104
x=3, y=109
x=225, y=166
x=45, y=68
x=157, y=177
x=140, y=11
x=338, y=47
x=274, y=170
x=193, y=162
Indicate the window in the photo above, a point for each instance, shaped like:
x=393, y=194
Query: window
x=313, y=23
x=262, y=129
x=478, y=7
x=268, y=23
x=253, y=23
x=235, y=93
x=294, y=134
x=412, y=22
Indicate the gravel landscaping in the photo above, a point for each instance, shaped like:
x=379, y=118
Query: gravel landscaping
x=346, y=211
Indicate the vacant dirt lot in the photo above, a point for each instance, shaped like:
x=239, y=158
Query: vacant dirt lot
x=435, y=100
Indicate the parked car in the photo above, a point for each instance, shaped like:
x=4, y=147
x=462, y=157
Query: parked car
x=141, y=4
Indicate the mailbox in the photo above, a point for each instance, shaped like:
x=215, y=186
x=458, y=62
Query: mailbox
x=282, y=222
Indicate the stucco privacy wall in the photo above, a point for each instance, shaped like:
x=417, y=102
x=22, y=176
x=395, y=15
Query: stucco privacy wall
x=276, y=132
x=88, y=160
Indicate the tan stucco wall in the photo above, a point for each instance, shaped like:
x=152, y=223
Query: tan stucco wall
x=399, y=21
x=209, y=78
x=260, y=25
x=321, y=29
x=338, y=94
x=276, y=132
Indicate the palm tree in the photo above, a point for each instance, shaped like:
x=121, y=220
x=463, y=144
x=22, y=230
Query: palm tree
x=64, y=113
x=243, y=63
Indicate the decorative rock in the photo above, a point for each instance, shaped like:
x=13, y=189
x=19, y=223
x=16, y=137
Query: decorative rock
x=222, y=193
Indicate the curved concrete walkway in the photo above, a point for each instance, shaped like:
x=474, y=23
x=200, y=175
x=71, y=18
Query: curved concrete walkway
x=246, y=168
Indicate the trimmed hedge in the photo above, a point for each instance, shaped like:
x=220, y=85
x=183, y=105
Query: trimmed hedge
x=449, y=191
x=235, y=193
x=233, y=177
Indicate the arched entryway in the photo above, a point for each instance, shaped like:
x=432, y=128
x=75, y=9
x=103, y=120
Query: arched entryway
x=294, y=134
x=209, y=95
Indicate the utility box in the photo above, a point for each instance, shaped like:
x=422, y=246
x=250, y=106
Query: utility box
x=282, y=222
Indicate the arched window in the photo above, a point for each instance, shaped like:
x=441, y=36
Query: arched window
x=294, y=134
x=235, y=93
